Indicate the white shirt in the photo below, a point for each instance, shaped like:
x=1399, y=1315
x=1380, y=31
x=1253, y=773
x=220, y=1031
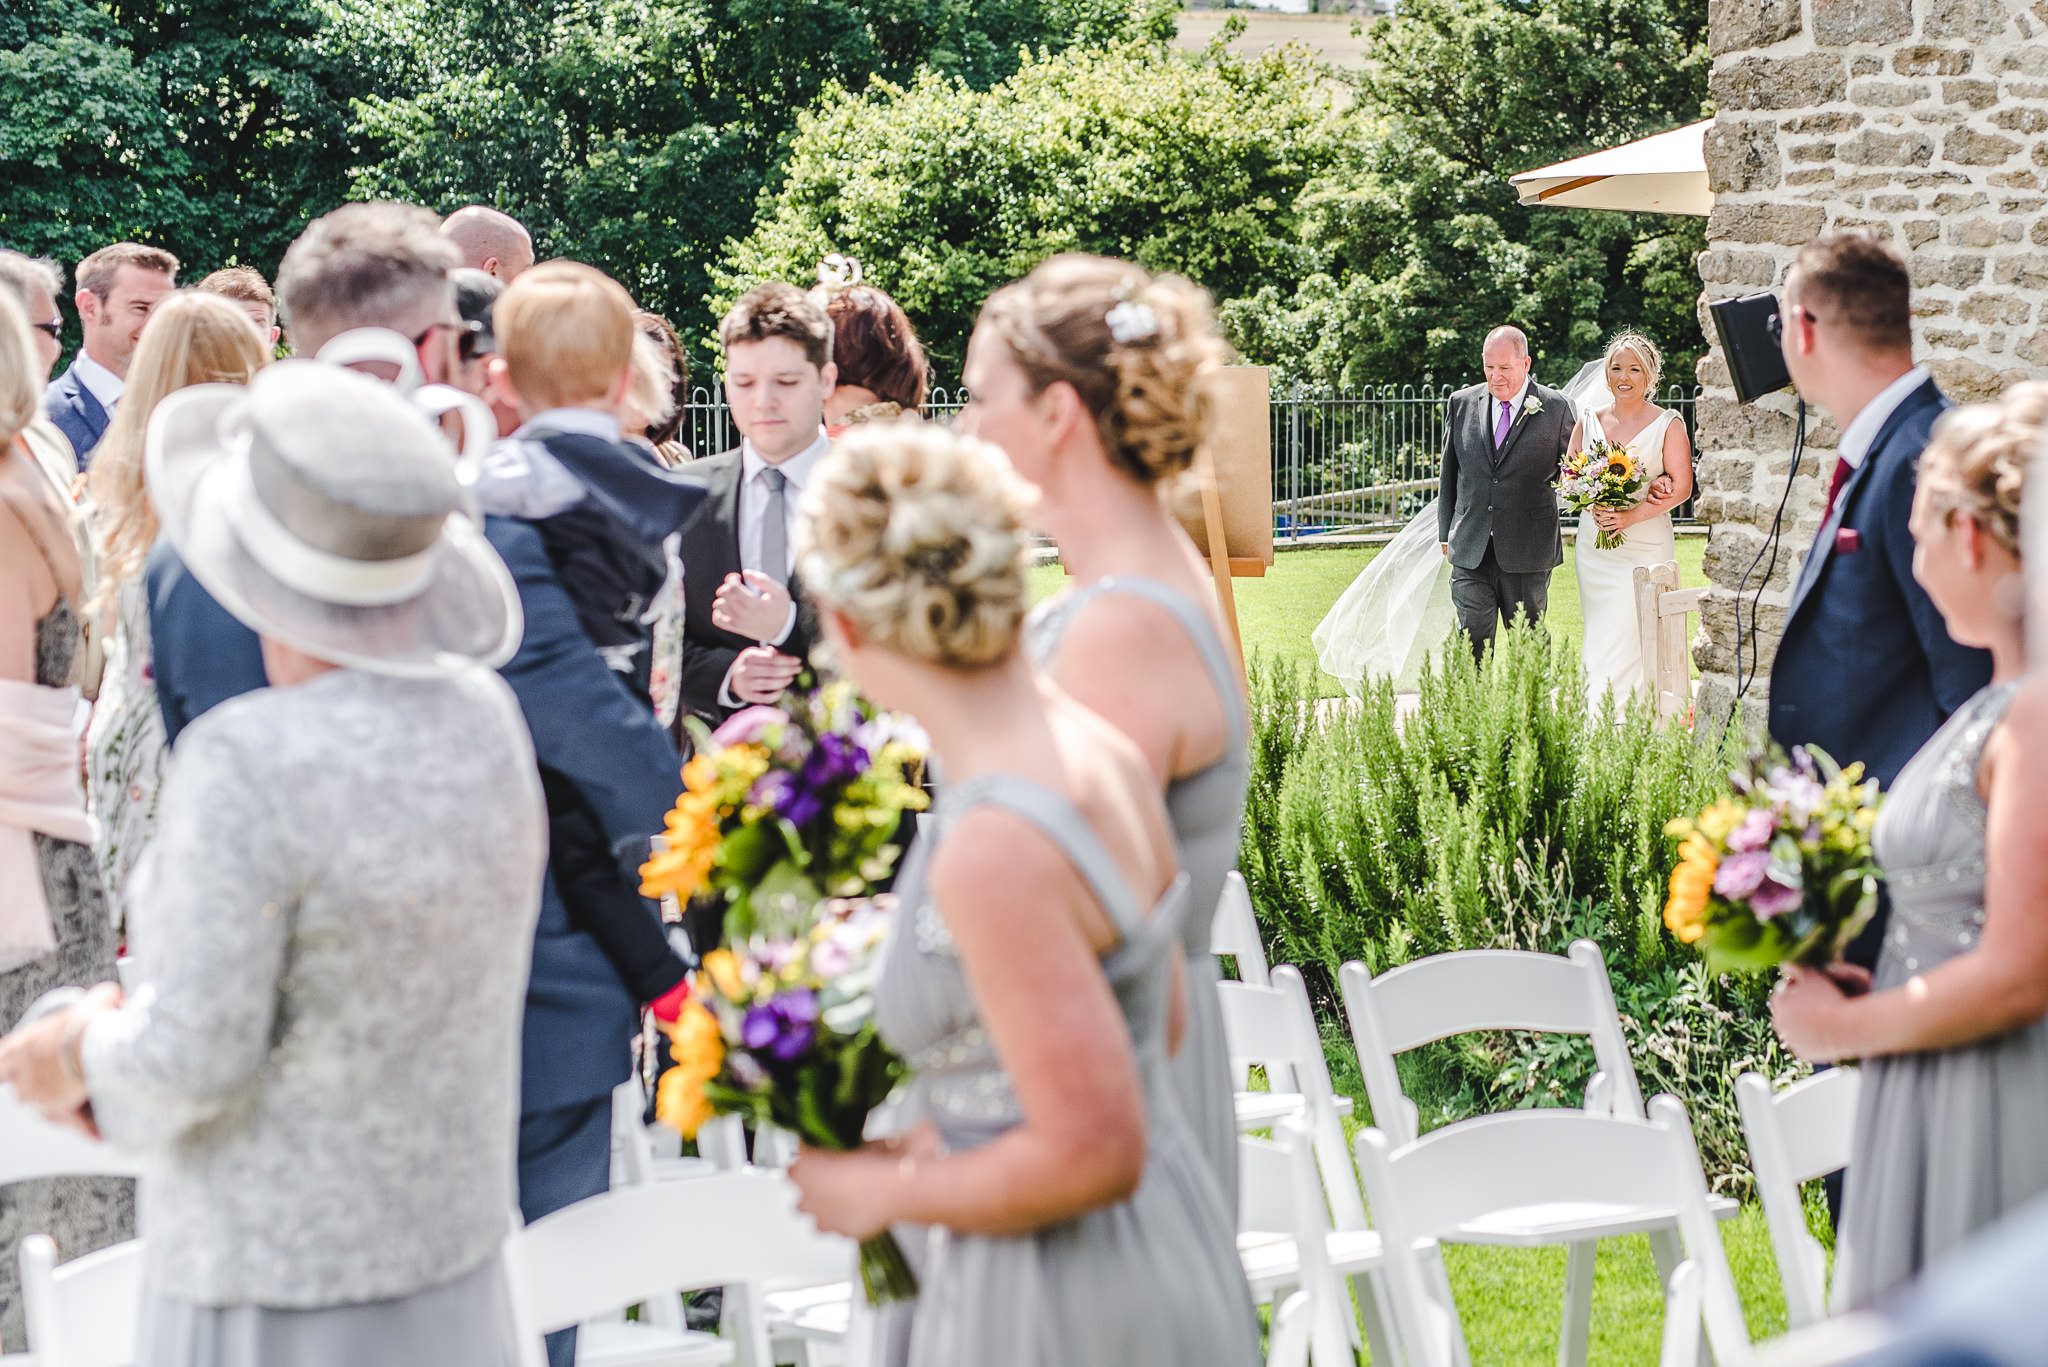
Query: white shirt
x=796, y=471
x=1859, y=435
x=105, y=385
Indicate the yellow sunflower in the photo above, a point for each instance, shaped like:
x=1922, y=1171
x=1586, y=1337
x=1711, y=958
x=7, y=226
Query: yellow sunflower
x=1692, y=883
x=1621, y=464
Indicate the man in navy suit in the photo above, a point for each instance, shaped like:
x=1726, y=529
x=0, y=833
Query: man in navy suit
x=119, y=288
x=1865, y=668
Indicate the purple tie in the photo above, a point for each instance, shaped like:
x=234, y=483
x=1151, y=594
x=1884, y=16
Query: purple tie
x=1500, y=429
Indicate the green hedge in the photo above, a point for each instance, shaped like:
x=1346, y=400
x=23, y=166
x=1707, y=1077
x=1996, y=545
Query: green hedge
x=1503, y=812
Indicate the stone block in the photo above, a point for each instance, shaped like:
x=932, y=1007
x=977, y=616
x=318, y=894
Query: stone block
x=1733, y=25
x=1792, y=225
x=2021, y=119
x=1919, y=232
x=1833, y=121
x=2030, y=59
x=1894, y=204
x=1755, y=270
x=2029, y=272
x=1929, y=306
x=1956, y=272
x=1951, y=339
x=1887, y=94
x=1975, y=94
x=1726, y=425
x=2021, y=204
x=1969, y=20
x=2016, y=180
x=1779, y=82
x=1742, y=154
x=1995, y=308
x=2034, y=349
x=1810, y=153
x=1812, y=175
x=1970, y=147
x=1872, y=148
x=1973, y=232
x=1968, y=381
x=1959, y=202
x=1932, y=61
x=2039, y=237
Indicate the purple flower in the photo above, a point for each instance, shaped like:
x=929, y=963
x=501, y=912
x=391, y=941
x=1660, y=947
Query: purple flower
x=782, y=1027
x=1754, y=832
x=1740, y=875
x=748, y=724
x=1774, y=899
x=835, y=761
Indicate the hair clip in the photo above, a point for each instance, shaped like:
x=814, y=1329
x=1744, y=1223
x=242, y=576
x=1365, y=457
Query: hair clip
x=838, y=272
x=1131, y=321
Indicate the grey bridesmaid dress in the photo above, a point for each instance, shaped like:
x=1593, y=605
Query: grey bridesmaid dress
x=1949, y=1140
x=1153, y=1281
x=1207, y=811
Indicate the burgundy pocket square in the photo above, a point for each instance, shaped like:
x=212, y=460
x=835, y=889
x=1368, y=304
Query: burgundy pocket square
x=1848, y=541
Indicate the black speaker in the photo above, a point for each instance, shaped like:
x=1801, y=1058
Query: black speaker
x=1748, y=331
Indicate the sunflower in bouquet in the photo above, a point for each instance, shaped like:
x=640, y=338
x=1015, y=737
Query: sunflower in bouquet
x=1602, y=475
x=1780, y=870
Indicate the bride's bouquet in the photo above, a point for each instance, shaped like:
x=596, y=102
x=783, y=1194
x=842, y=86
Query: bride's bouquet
x=1780, y=870
x=783, y=807
x=780, y=1029
x=1602, y=475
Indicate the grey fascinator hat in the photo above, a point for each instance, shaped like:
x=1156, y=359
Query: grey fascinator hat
x=323, y=510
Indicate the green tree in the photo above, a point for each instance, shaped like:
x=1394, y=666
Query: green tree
x=1184, y=162
x=213, y=130
x=639, y=134
x=1418, y=243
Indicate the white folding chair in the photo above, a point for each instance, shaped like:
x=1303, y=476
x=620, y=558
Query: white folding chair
x=1463, y=1175
x=1492, y=989
x=731, y=1229
x=1288, y=1344
x=86, y=1312
x=1282, y=1237
x=1795, y=1136
x=1234, y=933
x=1276, y=1026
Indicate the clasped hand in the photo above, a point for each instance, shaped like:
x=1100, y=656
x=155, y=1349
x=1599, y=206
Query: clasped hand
x=752, y=605
x=40, y=1060
x=1662, y=489
x=1808, y=1007
x=856, y=1194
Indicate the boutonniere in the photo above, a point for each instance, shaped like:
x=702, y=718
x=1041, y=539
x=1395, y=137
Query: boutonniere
x=1532, y=406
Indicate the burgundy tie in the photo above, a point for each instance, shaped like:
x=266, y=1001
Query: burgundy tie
x=1500, y=429
x=1835, y=483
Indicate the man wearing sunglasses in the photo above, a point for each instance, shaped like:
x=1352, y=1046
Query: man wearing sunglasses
x=119, y=288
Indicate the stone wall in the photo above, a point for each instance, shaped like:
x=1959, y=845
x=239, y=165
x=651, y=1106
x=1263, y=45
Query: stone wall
x=1923, y=120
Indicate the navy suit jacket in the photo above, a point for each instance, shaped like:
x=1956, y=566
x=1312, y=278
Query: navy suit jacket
x=200, y=654
x=1866, y=669
x=610, y=773
x=78, y=415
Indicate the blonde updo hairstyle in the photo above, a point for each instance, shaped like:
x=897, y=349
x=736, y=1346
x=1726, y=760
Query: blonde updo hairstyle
x=1644, y=350
x=1147, y=391
x=913, y=533
x=1978, y=456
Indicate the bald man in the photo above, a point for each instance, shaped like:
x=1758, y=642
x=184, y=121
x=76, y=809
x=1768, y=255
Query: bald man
x=1497, y=517
x=489, y=241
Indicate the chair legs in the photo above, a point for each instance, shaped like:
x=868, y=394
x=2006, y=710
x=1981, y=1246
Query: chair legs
x=1375, y=1313
x=1577, y=1326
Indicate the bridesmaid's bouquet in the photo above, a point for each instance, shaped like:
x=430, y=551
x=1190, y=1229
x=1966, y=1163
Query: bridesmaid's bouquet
x=1781, y=869
x=780, y=1029
x=784, y=807
x=1602, y=475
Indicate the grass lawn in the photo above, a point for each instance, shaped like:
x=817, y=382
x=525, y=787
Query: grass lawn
x=1279, y=612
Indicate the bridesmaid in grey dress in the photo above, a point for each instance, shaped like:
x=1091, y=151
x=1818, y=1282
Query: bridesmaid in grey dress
x=1953, y=1035
x=1033, y=975
x=1092, y=375
x=39, y=642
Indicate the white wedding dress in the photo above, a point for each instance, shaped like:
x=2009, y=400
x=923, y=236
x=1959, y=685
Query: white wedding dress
x=1607, y=592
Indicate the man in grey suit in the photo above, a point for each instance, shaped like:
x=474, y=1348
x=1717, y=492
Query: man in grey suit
x=1497, y=518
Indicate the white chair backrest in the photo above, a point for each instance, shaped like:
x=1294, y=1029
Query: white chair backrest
x=633, y=1245
x=1794, y=1136
x=85, y=1313
x=1235, y=932
x=31, y=1147
x=1275, y=1027
x=1279, y=1194
x=1484, y=989
x=1429, y=1188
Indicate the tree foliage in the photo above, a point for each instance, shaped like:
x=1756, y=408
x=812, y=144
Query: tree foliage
x=1418, y=243
x=1183, y=163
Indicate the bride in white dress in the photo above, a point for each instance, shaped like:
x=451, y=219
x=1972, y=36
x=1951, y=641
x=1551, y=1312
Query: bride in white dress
x=1655, y=437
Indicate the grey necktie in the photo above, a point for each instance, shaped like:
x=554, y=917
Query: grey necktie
x=775, y=527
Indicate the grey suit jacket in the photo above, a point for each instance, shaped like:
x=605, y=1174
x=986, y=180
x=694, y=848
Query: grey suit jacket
x=1503, y=496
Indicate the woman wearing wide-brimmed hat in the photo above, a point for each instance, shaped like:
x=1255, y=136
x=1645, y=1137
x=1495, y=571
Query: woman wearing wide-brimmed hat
x=319, y=1060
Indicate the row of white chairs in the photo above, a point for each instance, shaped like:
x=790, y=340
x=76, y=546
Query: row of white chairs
x=1298, y=1253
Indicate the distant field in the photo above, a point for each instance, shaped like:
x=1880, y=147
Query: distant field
x=1329, y=36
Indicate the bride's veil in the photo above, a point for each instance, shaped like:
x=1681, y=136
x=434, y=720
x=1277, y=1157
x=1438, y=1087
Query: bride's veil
x=1398, y=612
